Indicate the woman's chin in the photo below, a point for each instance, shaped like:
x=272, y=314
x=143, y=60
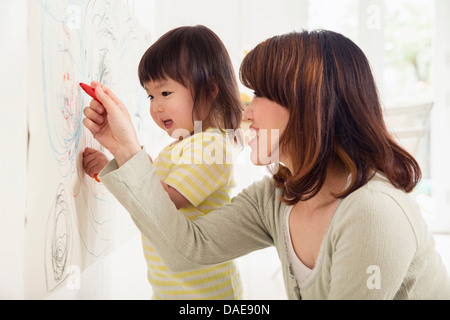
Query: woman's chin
x=257, y=161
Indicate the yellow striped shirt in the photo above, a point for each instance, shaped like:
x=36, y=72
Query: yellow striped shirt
x=200, y=168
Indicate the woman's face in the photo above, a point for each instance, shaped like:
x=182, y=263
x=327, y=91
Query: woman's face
x=268, y=121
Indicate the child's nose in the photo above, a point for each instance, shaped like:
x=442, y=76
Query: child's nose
x=157, y=107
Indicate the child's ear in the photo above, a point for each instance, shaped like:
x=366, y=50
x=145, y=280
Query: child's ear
x=214, y=88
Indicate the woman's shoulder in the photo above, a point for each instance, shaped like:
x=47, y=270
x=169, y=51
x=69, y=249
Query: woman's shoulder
x=379, y=189
x=381, y=203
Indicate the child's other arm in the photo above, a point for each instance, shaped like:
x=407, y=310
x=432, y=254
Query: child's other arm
x=94, y=161
x=177, y=198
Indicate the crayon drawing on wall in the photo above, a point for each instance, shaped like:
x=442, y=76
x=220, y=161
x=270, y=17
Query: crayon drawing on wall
x=71, y=220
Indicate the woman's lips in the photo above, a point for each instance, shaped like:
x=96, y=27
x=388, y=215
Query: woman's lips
x=253, y=134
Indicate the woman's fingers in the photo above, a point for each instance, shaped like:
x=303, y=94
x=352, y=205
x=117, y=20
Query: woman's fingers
x=93, y=115
x=91, y=126
x=107, y=91
x=97, y=107
x=111, y=106
x=112, y=127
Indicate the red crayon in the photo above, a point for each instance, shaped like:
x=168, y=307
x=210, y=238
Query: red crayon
x=89, y=90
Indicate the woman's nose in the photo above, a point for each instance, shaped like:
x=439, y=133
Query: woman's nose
x=248, y=112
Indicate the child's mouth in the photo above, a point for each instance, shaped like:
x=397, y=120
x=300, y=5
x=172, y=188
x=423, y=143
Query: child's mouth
x=168, y=123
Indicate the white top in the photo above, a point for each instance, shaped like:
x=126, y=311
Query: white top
x=298, y=269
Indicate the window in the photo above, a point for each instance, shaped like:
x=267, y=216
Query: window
x=407, y=77
x=409, y=42
x=340, y=16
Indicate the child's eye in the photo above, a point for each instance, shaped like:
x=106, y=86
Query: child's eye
x=150, y=97
x=165, y=93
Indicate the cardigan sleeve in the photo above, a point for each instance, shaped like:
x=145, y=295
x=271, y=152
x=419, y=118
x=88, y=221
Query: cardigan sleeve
x=224, y=234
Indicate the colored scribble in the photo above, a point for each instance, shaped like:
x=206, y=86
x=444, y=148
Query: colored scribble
x=82, y=41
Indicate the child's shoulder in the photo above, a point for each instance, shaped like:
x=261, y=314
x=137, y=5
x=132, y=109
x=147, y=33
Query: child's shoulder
x=206, y=137
x=211, y=134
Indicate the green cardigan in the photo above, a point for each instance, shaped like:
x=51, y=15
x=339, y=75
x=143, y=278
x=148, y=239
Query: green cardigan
x=376, y=247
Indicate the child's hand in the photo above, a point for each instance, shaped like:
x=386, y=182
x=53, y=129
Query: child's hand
x=94, y=161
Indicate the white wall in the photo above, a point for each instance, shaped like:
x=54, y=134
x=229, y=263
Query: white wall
x=13, y=144
x=240, y=24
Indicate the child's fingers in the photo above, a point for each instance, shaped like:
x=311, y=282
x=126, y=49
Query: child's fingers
x=94, y=163
x=87, y=159
x=91, y=172
x=90, y=165
x=94, y=155
x=94, y=170
x=88, y=151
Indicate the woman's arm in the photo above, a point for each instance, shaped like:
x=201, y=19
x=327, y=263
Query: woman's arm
x=224, y=234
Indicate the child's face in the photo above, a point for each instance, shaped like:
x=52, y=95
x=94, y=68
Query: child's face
x=171, y=106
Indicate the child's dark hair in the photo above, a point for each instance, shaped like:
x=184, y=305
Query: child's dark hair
x=195, y=57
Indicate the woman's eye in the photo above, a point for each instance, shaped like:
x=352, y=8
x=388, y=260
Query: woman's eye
x=150, y=97
x=165, y=93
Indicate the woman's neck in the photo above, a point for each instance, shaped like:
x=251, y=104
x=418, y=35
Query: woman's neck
x=335, y=183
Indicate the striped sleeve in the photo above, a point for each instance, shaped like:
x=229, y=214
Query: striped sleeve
x=200, y=167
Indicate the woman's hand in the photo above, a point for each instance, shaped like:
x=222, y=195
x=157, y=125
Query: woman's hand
x=111, y=125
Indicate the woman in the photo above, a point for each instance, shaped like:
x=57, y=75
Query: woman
x=337, y=208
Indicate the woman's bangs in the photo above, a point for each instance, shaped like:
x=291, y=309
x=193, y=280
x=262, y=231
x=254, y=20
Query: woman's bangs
x=253, y=73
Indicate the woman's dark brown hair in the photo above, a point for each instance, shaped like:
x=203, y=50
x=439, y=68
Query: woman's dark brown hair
x=195, y=57
x=326, y=83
